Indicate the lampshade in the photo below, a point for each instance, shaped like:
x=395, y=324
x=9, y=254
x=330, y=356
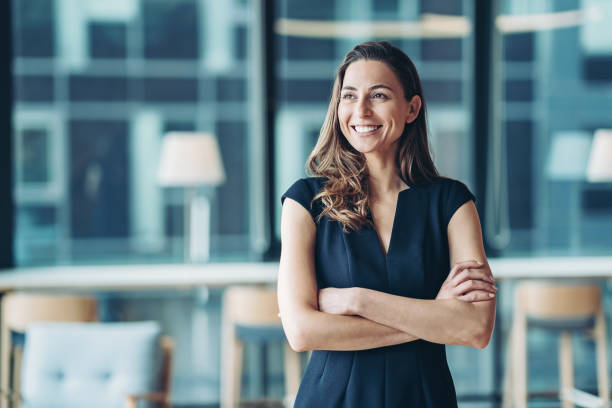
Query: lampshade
x=600, y=160
x=568, y=155
x=190, y=159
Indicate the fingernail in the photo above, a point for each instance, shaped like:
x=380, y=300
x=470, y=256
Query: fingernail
x=491, y=294
x=479, y=263
x=495, y=287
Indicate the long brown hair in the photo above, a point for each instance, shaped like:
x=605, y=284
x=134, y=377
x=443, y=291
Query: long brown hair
x=345, y=194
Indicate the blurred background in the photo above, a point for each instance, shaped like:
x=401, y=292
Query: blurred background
x=516, y=91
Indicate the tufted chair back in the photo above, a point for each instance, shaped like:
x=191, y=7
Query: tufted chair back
x=92, y=365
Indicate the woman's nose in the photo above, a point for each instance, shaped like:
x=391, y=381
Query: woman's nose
x=363, y=107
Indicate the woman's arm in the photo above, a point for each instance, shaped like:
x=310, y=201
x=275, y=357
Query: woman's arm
x=447, y=321
x=305, y=326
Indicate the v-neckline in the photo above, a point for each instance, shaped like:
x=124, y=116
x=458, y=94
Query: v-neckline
x=381, y=247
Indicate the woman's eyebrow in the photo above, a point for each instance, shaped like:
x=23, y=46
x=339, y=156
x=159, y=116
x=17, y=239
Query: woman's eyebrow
x=378, y=86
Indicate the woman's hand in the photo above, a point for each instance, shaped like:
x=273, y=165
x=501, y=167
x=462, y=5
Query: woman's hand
x=470, y=281
x=337, y=300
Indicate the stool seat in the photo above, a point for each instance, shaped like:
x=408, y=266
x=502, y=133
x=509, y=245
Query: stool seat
x=564, y=309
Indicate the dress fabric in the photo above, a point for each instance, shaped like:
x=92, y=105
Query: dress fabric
x=413, y=374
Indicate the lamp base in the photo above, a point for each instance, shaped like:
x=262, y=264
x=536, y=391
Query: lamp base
x=199, y=229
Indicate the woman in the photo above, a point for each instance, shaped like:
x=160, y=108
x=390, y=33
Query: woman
x=367, y=245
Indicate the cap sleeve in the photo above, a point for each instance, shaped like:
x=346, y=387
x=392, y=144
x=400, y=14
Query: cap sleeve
x=457, y=194
x=302, y=192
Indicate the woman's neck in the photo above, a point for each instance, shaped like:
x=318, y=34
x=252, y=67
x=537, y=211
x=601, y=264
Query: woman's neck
x=384, y=179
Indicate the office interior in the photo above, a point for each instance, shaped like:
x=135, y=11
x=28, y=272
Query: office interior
x=97, y=95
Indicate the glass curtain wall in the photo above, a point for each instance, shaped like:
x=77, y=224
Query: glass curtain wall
x=551, y=96
x=97, y=85
x=553, y=90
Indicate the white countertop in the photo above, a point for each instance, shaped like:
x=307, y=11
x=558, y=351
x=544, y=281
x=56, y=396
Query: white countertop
x=169, y=276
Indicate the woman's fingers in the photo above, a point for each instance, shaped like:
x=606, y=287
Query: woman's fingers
x=466, y=274
x=460, y=266
x=477, y=296
x=475, y=284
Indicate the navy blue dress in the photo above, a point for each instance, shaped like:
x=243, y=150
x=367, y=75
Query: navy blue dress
x=413, y=374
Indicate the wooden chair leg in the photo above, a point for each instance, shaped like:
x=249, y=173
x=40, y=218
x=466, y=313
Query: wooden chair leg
x=508, y=374
x=231, y=366
x=5, y=361
x=566, y=367
x=293, y=375
x=237, y=371
x=603, y=380
x=519, y=352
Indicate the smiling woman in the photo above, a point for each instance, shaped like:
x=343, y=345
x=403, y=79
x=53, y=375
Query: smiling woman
x=382, y=262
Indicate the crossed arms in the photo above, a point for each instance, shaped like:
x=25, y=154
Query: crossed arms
x=357, y=318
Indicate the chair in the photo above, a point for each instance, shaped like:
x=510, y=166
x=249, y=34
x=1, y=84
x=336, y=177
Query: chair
x=93, y=365
x=21, y=309
x=564, y=309
x=250, y=314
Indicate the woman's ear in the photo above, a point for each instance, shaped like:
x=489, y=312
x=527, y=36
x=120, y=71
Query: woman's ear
x=414, y=107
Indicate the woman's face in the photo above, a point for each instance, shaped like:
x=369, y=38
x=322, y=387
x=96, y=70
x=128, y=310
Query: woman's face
x=373, y=109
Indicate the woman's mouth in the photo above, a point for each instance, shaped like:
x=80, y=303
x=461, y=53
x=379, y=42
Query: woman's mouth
x=366, y=129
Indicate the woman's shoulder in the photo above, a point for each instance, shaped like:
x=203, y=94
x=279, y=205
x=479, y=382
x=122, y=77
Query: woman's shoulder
x=446, y=195
x=444, y=186
x=303, y=191
x=307, y=186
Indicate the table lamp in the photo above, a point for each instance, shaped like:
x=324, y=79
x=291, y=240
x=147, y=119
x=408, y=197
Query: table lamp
x=600, y=160
x=191, y=160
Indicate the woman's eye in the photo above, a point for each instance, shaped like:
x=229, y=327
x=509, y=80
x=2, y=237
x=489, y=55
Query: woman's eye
x=348, y=96
x=380, y=95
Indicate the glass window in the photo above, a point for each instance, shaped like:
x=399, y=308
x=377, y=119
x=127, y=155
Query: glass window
x=97, y=86
x=553, y=83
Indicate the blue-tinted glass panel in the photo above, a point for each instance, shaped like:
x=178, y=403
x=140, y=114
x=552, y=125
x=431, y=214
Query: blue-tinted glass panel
x=300, y=90
x=519, y=47
x=99, y=179
x=34, y=88
x=170, y=89
x=232, y=198
x=442, y=90
x=441, y=49
x=231, y=89
x=452, y=7
x=519, y=90
x=171, y=29
x=90, y=88
x=107, y=40
x=310, y=10
x=598, y=69
x=35, y=23
x=34, y=156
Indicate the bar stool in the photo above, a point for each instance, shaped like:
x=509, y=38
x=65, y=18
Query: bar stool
x=250, y=314
x=564, y=309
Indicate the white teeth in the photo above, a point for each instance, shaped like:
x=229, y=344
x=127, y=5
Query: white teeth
x=365, y=129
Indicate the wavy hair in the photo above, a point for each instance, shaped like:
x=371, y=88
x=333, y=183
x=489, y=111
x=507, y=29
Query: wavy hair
x=344, y=195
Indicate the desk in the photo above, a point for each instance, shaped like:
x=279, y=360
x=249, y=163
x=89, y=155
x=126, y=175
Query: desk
x=177, y=276
x=137, y=277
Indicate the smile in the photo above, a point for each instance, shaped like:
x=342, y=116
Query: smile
x=366, y=129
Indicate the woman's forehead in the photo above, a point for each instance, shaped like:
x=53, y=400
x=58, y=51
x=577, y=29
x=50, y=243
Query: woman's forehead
x=365, y=73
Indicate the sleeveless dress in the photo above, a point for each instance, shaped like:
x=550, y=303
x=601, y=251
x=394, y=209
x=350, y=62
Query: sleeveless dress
x=413, y=374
